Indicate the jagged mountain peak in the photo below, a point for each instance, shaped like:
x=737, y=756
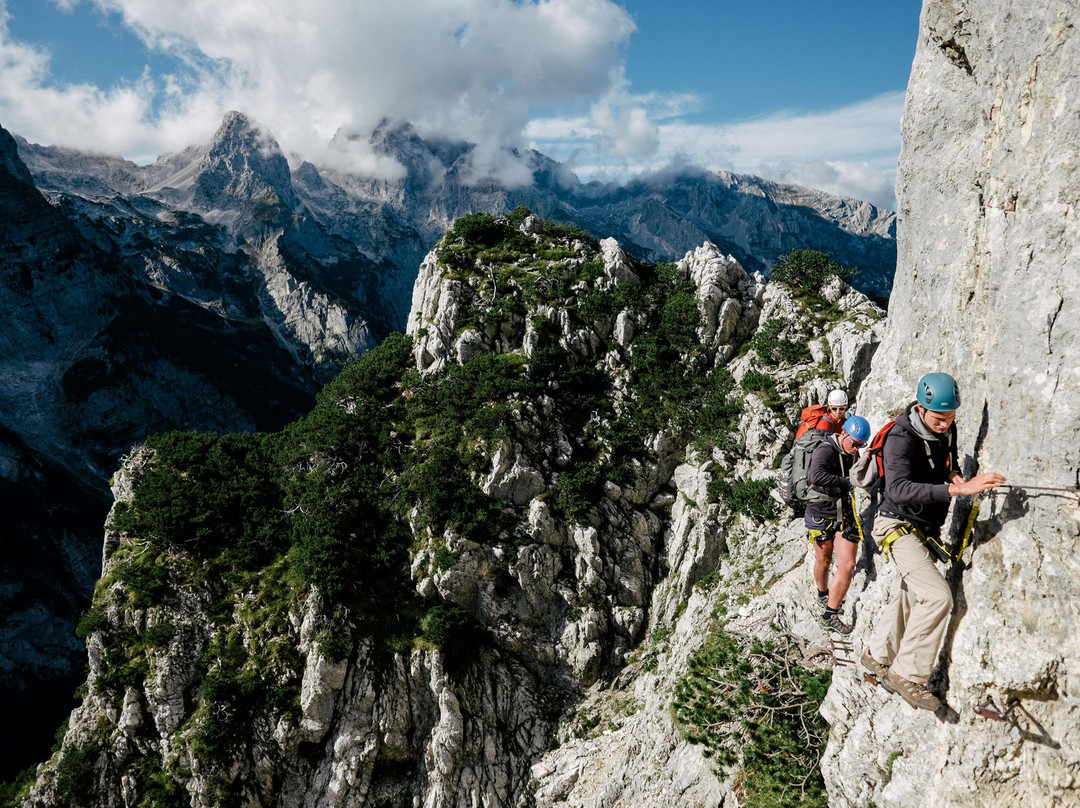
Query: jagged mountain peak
x=242, y=166
x=243, y=163
x=239, y=133
x=401, y=140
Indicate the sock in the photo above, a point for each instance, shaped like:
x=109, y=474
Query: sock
x=830, y=612
x=823, y=593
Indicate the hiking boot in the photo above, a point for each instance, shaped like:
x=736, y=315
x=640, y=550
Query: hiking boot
x=833, y=622
x=878, y=670
x=913, y=693
x=824, y=598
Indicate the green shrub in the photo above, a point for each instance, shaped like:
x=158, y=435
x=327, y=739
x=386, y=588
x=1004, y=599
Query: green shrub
x=223, y=719
x=145, y=578
x=518, y=215
x=479, y=229
x=159, y=635
x=93, y=619
x=124, y=668
x=75, y=775
x=807, y=271
x=749, y=497
x=576, y=491
x=155, y=787
x=754, y=381
x=446, y=497
x=13, y=793
x=335, y=643
x=772, y=349
x=664, y=357
x=454, y=632
x=443, y=625
x=717, y=418
x=750, y=702
x=216, y=494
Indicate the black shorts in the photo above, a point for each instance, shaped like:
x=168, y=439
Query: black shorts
x=821, y=530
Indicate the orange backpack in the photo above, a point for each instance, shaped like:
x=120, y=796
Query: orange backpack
x=810, y=417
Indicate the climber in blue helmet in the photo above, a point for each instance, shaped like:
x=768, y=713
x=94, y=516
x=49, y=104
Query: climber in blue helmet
x=830, y=517
x=921, y=473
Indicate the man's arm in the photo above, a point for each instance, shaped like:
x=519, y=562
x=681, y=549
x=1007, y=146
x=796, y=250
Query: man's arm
x=821, y=478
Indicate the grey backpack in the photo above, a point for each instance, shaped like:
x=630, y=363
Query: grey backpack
x=793, y=485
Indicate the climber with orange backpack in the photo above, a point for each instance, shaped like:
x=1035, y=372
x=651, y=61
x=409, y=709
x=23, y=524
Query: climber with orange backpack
x=829, y=417
x=830, y=516
x=919, y=461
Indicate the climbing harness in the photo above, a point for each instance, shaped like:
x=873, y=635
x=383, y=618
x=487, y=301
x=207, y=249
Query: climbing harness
x=932, y=543
x=858, y=521
x=893, y=535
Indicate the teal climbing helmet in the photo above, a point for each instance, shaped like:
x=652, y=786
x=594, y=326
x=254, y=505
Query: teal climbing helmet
x=858, y=427
x=938, y=392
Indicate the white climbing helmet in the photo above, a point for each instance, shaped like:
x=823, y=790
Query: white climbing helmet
x=838, y=398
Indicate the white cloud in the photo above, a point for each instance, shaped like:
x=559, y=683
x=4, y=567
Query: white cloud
x=850, y=151
x=470, y=68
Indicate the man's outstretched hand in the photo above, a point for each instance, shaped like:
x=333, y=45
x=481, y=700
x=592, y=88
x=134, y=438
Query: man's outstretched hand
x=976, y=485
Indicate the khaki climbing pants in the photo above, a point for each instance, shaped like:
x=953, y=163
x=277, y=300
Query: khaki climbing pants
x=910, y=630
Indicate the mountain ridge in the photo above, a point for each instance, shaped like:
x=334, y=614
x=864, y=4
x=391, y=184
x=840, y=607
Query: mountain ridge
x=436, y=190
x=227, y=312
x=482, y=524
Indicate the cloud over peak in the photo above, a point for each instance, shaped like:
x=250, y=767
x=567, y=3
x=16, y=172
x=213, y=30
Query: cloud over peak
x=323, y=74
x=468, y=68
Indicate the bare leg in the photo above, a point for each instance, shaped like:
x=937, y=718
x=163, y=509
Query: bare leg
x=823, y=554
x=845, y=568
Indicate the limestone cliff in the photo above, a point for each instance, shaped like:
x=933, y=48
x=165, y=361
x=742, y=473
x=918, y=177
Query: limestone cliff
x=213, y=290
x=476, y=573
x=987, y=288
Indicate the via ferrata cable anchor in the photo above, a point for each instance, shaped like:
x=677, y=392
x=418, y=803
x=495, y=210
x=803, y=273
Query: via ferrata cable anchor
x=988, y=709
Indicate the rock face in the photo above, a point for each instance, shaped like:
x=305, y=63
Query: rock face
x=587, y=603
x=217, y=287
x=108, y=335
x=988, y=289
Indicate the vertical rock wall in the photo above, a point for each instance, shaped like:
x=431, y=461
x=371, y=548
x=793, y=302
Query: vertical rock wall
x=988, y=289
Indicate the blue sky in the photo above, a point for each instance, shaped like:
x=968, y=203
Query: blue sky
x=804, y=92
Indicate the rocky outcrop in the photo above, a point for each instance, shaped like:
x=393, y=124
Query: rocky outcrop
x=986, y=288
x=101, y=344
x=568, y=606
x=216, y=287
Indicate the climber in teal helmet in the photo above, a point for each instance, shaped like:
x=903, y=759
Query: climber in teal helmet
x=921, y=466
x=830, y=518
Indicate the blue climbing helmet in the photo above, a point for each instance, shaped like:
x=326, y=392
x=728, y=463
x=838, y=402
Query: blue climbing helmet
x=858, y=428
x=938, y=392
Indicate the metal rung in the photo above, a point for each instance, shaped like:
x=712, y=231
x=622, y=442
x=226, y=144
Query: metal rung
x=843, y=652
